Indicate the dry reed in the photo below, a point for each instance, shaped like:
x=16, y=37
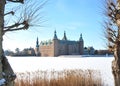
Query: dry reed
x=59, y=78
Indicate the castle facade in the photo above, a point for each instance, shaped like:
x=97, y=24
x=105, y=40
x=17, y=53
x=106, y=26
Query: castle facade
x=57, y=47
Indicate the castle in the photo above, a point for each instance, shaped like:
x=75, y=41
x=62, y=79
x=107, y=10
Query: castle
x=57, y=47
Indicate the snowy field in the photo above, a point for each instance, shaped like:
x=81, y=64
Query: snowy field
x=23, y=64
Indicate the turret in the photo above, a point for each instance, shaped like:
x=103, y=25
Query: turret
x=55, y=36
x=55, y=45
x=37, y=52
x=64, y=37
x=37, y=43
x=81, y=38
x=81, y=45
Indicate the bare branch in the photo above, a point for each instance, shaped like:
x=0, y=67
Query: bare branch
x=111, y=11
x=28, y=15
x=12, y=26
x=17, y=1
x=111, y=48
x=11, y=12
x=111, y=32
x=21, y=28
x=17, y=26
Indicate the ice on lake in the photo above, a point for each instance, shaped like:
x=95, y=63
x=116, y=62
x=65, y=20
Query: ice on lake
x=23, y=64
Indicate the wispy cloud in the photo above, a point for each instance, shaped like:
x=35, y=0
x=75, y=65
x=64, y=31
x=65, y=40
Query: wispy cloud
x=75, y=25
x=70, y=25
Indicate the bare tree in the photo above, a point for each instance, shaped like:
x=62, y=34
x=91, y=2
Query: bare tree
x=27, y=14
x=112, y=26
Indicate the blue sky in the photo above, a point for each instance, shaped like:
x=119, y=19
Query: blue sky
x=73, y=16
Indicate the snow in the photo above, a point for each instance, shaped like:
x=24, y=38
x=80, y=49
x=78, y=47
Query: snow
x=23, y=64
x=2, y=82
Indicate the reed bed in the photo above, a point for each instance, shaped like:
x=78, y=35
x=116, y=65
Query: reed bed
x=59, y=78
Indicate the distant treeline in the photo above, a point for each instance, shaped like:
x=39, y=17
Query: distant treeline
x=31, y=52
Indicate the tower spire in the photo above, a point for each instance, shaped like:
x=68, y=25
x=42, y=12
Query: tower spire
x=37, y=48
x=64, y=37
x=55, y=36
x=81, y=38
x=37, y=42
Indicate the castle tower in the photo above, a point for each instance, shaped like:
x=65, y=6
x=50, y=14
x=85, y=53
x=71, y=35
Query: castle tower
x=37, y=52
x=55, y=44
x=81, y=45
x=55, y=36
x=64, y=37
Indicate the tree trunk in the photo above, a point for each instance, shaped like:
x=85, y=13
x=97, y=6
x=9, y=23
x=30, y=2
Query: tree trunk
x=116, y=73
x=6, y=71
x=2, y=7
x=116, y=65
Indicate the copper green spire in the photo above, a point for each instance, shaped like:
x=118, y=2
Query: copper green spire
x=64, y=38
x=81, y=38
x=55, y=36
x=37, y=43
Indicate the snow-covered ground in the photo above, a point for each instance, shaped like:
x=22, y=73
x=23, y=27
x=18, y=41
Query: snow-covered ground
x=22, y=64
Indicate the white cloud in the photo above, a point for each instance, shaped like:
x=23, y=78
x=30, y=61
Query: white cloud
x=75, y=25
x=71, y=25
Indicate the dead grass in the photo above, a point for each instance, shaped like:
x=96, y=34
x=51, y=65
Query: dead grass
x=59, y=78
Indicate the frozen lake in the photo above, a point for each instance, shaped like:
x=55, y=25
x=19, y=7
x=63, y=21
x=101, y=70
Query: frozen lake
x=22, y=64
